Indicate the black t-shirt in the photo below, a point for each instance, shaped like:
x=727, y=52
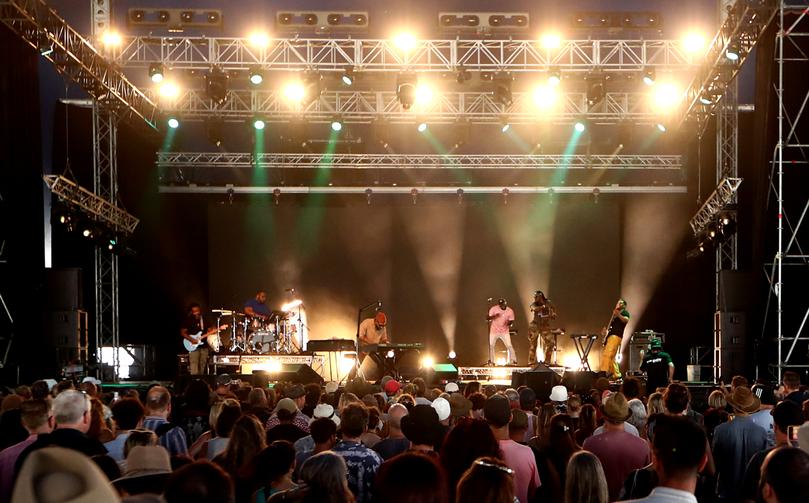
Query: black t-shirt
x=618, y=325
x=192, y=325
x=542, y=313
x=656, y=365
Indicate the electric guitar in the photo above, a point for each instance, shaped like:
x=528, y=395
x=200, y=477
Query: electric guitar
x=606, y=330
x=199, y=337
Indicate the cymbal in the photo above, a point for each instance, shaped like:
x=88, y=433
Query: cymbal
x=223, y=312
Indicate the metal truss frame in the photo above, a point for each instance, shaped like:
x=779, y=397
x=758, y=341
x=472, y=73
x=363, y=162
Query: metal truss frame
x=793, y=37
x=375, y=55
x=218, y=160
x=99, y=208
x=75, y=57
x=744, y=23
x=727, y=168
x=456, y=190
x=447, y=107
x=716, y=202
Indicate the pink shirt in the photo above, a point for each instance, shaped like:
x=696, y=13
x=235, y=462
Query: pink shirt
x=520, y=458
x=499, y=324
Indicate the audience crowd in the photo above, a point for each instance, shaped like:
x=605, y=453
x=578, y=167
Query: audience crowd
x=404, y=442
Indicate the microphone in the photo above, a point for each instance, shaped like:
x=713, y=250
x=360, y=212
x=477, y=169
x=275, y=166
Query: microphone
x=379, y=304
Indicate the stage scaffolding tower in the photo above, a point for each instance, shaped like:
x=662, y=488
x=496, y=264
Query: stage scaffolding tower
x=105, y=185
x=790, y=259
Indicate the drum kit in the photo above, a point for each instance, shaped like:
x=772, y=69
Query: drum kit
x=278, y=333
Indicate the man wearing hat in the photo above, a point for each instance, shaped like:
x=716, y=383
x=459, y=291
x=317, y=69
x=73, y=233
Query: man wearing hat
x=297, y=395
x=619, y=452
x=374, y=330
x=147, y=469
x=736, y=441
x=658, y=365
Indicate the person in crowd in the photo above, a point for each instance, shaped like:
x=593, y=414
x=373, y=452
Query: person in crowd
x=147, y=470
x=62, y=474
x=460, y=407
x=375, y=426
x=425, y=481
x=735, y=442
x=518, y=426
x=487, y=480
x=637, y=416
x=194, y=417
x=628, y=427
x=71, y=414
x=138, y=438
x=423, y=429
x=553, y=455
x=312, y=394
x=785, y=414
x=792, y=388
x=326, y=477
x=574, y=410
x=258, y=405
x=677, y=400
x=213, y=414
x=585, y=481
x=513, y=397
x=588, y=418
x=199, y=482
x=396, y=442
x=322, y=411
x=559, y=398
x=158, y=410
x=324, y=435
x=478, y=400
x=658, y=365
x=297, y=394
x=247, y=438
x=620, y=452
x=679, y=448
x=519, y=458
x=716, y=413
x=546, y=412
x=469, y=440
x=763, y=417
x=111, y=469
x=655, y=405
x=100, y=427
x=361, y=461
x=286, y=429
x=785, y=476
x=471, y=388
x=128, y=415
x=37, y=419
x=528, y=404
x=228, y=415
x=273, y=470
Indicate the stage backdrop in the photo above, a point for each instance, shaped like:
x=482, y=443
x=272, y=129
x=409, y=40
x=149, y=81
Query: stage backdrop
x=434, y=264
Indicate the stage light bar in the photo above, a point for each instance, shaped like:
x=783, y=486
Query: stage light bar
x=733, y=53
x=714, y=205
x=483, y=22
x=168, y=90
x=554, y=77
x=424, y=95
x=666, y=97
x=406, y=90
x=505, y=127
x=98, y=208
x=544, y=97
x=322, y=21
x=649, y=76
x=579, y=126
x=347, y=77
x=175, y=19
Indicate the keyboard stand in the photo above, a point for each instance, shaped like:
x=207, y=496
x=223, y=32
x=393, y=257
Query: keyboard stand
x=583, y=348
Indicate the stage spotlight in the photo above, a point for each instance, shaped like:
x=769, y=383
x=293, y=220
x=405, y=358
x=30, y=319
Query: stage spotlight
x=661, y=127
x=579, y=126
x=294, y=92
x=694, y=43
x=347, y=77
x=649, y=76
x=701, y=247
x=544, y=96
x=422, y=127
x=595, y=90
x=424, y=95
x=733, y=53
x=258, y=39
x=256, y=77
x=452, y=354
x=554, y=78
x=216, y=85
x=111, y=38
x=551, y=40
x=87, y=232
x=502, y=88
x=168, y=90
x=405, y=41
x=705, y=99
x=258, y=124
x=666, y=97
x=173, y=123
x=336, y=126
x=505, y=127
x=156, y=72
x=427, y=362
x=406, y=90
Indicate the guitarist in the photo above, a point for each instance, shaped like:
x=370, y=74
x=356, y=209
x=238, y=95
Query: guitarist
x=193, y=324
x=613, y=334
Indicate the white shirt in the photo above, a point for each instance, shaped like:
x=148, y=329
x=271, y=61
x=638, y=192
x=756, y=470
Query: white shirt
x=666, y=495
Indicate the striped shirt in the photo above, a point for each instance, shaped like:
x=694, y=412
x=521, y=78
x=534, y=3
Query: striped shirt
x=300, y=420
x=173, y=440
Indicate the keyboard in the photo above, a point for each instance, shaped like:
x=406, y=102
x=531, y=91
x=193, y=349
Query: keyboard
x=583, y=336
x=403, y=346
x=331, y=345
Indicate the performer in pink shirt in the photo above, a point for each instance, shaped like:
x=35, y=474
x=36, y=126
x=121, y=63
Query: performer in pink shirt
x=500, y=319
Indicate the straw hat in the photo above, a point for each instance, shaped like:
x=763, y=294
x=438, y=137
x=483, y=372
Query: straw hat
x=743, y=400
x=616, y=408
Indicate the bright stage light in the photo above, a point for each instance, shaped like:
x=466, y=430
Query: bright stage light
x=544, y=97
x=661, y=127
x=424, y=95
x=289, y=306
x=173, y=123
x=452, y=355
x=111, y=38
x=571, y=361
x=156, y=73
x=551, y=40
x=88, y=233
x=579, y=126
x=422, y=127
x=705, y=99
x=259, y=39
x=347, y=77
x=666, y=97
x=405, y=41
x=505, y=127
x=347, y=364
x=258, y=124
x=336, y=126
x=256, y=77
x=732, y=52
x=294, y=92
x=554, y=78
x=427, y=362
x=694, y=42
x=649, y=77
x=168, y=90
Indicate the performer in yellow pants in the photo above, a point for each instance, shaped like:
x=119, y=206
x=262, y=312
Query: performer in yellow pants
x=614, y=332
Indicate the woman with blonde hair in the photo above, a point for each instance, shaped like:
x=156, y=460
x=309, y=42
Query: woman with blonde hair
x=326, y=477
x=655, y=404
x=586, y=482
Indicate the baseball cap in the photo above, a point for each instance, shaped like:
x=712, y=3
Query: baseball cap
x=451, y=387
x=442, y=407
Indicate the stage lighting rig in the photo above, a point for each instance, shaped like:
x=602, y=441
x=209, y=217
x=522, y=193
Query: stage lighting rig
x=554, y=77
x=595, y=89
x=348, y=76
x=216, y=85
x=256, y=75
x=733, y=53
x=156, y=73
x=173, y=123
x=502, y=88
x=649, y=76
x=406, y=89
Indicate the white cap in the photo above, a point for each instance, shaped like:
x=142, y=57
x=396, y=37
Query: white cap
x=451, y=387
x=331, y=387
x=92, y=380
x=324, y=410
x=559, y=394
x=441, y=406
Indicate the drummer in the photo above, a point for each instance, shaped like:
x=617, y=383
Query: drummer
x=257, y=306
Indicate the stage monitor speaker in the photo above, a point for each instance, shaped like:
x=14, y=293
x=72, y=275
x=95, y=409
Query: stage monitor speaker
x=580, y=382
x=64, y=289
x=541, y=379
x=298, y=373
x=731, y=341
x=441, y=373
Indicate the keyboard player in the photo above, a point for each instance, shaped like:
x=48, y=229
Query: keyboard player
x=373, y=331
